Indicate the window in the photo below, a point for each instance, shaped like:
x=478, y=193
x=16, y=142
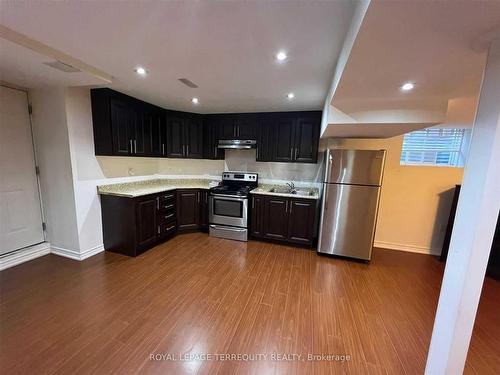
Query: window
x=434, y=146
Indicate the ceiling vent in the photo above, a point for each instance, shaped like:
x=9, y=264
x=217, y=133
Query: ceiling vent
x=62, y=67
x=188, y=83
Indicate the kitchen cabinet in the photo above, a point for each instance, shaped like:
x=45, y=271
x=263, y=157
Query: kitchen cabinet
x=290, y=220
x=184, y=136
x=125, y=126
x=133, y=225
x=203, y=207
x=276, y=218
x=188, y=209
x=237, y=126
x=257, y=216
x=295, y=136
x=147, y=223
x=301, y=221
x=211, y=139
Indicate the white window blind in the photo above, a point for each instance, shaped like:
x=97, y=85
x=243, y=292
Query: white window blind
x=439, y=147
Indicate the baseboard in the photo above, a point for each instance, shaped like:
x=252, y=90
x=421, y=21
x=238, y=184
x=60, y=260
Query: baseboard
x=408, y=248
x=24, y=255
x=76, y=255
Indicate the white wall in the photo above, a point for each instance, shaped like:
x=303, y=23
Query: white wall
x=56, y=176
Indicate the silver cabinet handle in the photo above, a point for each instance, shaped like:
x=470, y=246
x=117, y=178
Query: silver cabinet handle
x=291, y=207
x=157, y=203
x=171, y=227
x=183, y=150
x=131, y=147
x=253, y=203
x=291, y=154
x=168, y=206
x=167, y=216
x=296, y=152
x=187, y=150
x=135, y=146
x=198, y=197
x=163, y=148
x=158, y=229
x=286, y=207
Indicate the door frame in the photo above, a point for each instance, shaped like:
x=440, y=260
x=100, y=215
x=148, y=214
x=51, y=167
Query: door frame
x=35, y=158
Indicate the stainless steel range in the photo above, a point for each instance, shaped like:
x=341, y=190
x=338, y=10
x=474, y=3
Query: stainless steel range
x=228, y=205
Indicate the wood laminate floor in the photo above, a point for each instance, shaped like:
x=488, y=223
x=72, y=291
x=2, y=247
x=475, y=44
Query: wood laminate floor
x=201, y=295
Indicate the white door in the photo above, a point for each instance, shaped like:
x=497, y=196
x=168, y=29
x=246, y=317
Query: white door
x=20, y=213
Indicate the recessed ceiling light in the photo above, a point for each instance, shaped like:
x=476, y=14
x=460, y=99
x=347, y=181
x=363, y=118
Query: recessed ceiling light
x=195, y=100
x=281, y=56
x=290, y=95
x=141, y=71
x=408, y=86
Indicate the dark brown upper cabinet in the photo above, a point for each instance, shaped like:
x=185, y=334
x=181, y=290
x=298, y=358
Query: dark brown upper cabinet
x=126, y=126
x=184, y=136
x=237, y=126
x=211, y=138
x=295, y=136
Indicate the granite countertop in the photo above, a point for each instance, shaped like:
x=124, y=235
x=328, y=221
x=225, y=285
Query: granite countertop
x=146, y=187
x=301, y=191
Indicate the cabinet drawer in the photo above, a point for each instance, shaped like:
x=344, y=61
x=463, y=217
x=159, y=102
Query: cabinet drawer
x=167, y=206
x=166, y=229
x=166, y=198
x=167, y=217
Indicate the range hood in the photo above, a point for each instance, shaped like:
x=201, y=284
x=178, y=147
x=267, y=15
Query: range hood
x=237, y=143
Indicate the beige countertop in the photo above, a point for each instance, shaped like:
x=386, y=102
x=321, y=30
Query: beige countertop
x=146, y=187
x=301, y=191
x=153, y=186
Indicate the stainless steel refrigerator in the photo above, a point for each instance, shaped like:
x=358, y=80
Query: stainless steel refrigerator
x=351, y=193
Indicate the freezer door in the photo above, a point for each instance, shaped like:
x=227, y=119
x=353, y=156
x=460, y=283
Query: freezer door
x=348, y=220
x=360, y=167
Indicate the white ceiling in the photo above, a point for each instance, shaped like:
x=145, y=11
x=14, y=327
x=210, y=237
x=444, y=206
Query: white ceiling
x=224, y=47
x=431, y=43
x=25, y=68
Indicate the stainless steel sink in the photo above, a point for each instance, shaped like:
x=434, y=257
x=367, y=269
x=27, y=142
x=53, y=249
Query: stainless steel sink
x=285, y=190
x=282, y=190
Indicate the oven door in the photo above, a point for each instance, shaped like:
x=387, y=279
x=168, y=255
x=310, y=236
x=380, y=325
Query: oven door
x=228, y=210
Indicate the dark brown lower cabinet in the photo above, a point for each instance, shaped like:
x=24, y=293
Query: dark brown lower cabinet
x=290, y=220
x=276, y=218
x=188, y=213
x=204, y=210
x=133, y=225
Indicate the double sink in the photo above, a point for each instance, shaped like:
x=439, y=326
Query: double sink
x=293, y=191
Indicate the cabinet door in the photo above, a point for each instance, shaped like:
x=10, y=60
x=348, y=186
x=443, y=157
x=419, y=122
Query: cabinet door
x=257, y=216
x=188, y=209
x=193, y=138
x=283, y=138
x=306, y=139
x=142, y=133
x=175, y=137
x=147, y=226
x=153, y=122
x=227, y=126
x=264, y=141
x=301, y=221
x=276, y=218
x=247, y=126
x=204, y=209
x=122, y=127
x=211, y=139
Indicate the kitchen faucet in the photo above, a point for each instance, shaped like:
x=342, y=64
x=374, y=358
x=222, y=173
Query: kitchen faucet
x=290, y=185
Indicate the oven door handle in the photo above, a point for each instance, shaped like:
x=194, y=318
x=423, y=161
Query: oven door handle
x=229, y=197
x=231, y=229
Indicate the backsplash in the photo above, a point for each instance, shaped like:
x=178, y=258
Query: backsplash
x=244, y=160
x=236, y=160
